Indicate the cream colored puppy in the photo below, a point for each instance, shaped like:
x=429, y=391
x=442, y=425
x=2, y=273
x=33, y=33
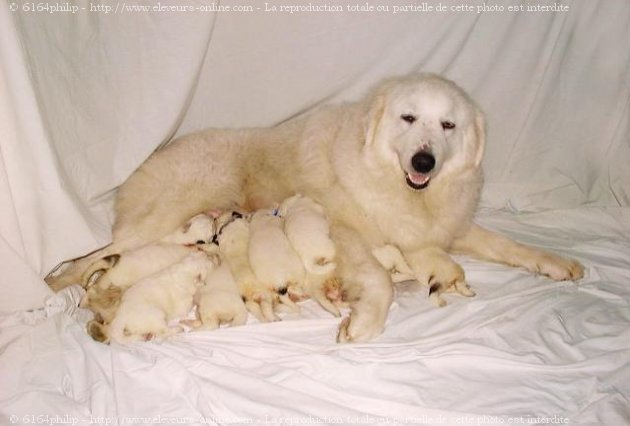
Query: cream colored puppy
x=109, y=277
x=306, y=227
x=219, y=301
x=199, y=229
x=273, y=259
x=393, y=261
x=122, y=270
x=148, y=306
x=233, y=239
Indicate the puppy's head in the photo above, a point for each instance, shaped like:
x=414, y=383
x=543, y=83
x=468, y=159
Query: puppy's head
x=422, y=126
x=98, y=331
x=103, y=302
x=199, y=229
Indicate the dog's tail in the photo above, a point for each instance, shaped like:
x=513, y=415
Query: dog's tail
x=99, y=267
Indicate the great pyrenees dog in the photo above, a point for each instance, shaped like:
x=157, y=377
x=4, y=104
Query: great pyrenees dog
x=402, y=167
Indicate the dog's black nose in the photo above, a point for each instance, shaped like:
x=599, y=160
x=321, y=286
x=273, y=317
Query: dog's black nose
x=423, y=162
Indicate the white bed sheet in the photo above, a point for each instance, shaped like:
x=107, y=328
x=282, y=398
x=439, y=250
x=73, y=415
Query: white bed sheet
x=85, y=97
x=524, y=349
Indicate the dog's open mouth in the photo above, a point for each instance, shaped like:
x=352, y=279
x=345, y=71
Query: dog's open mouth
x=418, y=181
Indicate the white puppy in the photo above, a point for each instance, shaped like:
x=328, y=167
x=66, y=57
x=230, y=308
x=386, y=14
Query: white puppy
x=273, y=259
x=233, y=240
x=148, y=306
x=122, y=270
x=307, y=228
x=115, y=273
x=199, y=229
x=219, y=301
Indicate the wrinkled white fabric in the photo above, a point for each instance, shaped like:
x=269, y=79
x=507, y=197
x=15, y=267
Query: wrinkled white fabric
x=86, y=97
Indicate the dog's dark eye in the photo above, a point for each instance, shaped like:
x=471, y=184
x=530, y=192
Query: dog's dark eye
x=201, y=242
x=408, y=118
x=447, y=125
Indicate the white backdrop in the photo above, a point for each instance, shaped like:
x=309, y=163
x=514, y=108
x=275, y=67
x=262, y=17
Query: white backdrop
x=86, y=96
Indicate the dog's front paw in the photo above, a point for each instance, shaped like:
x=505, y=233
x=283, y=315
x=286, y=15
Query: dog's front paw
x=359, y=328
x=559, y=268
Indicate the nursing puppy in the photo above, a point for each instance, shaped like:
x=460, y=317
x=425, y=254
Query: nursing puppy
x=400, y=167
x=108, y=278
x=272, y=258
x=199, y=229
x=307, y=228
x=219, y=301
x=233, y=240
x=148, y=306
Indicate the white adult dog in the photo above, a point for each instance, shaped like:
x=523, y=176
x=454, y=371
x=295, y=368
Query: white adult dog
x=402, y=167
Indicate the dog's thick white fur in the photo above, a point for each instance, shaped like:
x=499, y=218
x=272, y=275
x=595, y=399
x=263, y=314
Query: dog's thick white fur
x=368, y=164
x=148, y=306
x=272, y=258
x=308, y=230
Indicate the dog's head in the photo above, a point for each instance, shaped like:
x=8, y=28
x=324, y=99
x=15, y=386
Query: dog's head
x=423, y=126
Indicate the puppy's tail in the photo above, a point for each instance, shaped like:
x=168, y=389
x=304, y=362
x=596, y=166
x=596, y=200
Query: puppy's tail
x=99, y=267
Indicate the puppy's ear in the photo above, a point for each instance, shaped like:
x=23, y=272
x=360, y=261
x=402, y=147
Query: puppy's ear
x=186, y=227
x=373, y=116
x=109, y=297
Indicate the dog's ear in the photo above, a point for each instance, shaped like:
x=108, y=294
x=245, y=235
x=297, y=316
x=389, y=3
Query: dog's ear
x=474, y=138
x=374, y=113
x=480, y=136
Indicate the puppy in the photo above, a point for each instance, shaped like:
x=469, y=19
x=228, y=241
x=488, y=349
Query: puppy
x=199, y=229
x=219, y=301
x=393, y=261
x=109, y=277
x=272, y=258
x=233, y=240
x=306, y=227
x=148, y=306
